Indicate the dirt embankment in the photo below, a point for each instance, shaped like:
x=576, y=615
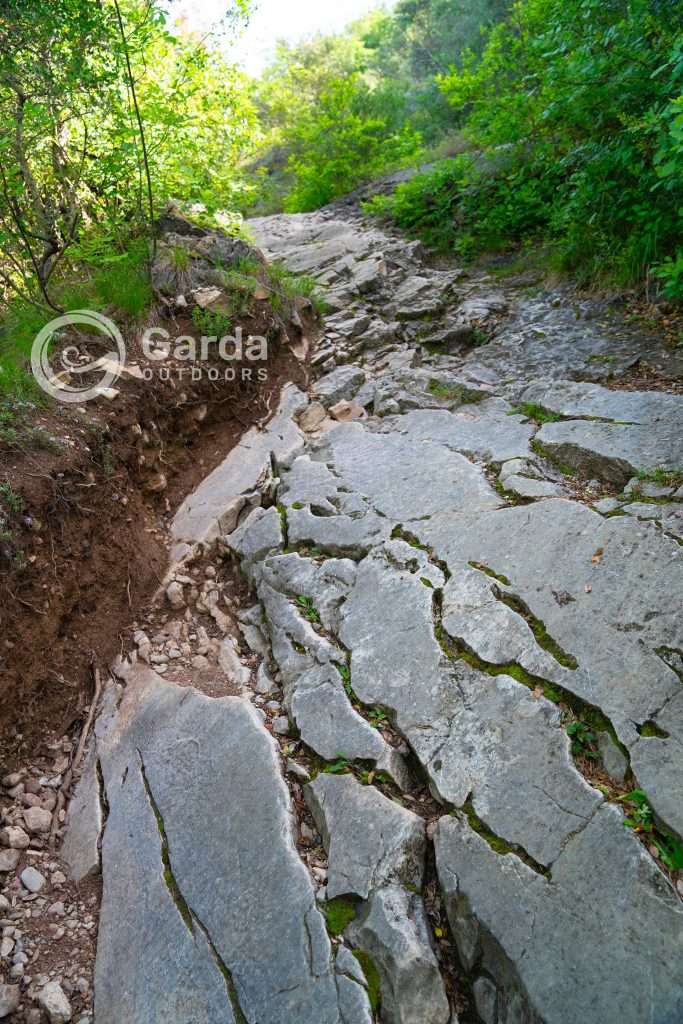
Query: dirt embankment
x=83, y=545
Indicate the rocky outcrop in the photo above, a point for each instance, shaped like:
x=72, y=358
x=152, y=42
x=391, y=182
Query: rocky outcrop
x=444, y=581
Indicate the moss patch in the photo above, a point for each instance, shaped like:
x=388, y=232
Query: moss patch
x=339, y=913
x=371, y=976
x=651, y=730
x=489, y=572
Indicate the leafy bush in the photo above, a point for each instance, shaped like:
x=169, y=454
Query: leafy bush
x=575, y=108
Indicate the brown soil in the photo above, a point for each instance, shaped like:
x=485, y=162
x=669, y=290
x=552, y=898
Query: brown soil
x=88, y=541
x=645, y=378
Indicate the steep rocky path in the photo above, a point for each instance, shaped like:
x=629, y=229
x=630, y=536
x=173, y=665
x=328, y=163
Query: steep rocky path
x=346, y=792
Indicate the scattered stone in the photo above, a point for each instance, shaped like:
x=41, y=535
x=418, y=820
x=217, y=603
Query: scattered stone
x=615, y=762
x=9, y=1000
x=14, y=837
x=9, y=859
x=80, y=848
x=175, y=595
x=53, y=1001
x=394, y=932
x=37, y=819
x=347, y=411
x=32, y=879
x=312, y=416
x=341, y=384
x=281, y=725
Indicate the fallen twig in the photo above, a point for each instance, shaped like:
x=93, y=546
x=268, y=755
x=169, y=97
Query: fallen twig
x=64, y=789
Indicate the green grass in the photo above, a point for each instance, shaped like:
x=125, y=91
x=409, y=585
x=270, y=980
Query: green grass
x=287, y=287
x=103, y=275
x=212, y=323
x=13, y=502
x=447, y=392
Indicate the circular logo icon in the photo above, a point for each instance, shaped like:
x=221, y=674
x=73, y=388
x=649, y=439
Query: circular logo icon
x=97, y=374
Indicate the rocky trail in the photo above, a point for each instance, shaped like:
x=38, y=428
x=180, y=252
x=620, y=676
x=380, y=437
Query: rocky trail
x=401, y=739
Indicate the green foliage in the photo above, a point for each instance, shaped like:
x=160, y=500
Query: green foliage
x=340, y=766
x=583, y=739
x=577, y=105
x=308, y=609
x=13, y=502
x=349, y=136
x=341, y=110
x=640, y=818
x=212, y=323
x=662, y=476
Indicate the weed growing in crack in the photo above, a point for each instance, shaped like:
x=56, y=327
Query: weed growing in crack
x=308, y=609
x=651, y=730
x=340, y=766
x=583, y=740
x=446, y=392
x=662, y=476
x=640, y=818
x=489, y=572
x=496, y=842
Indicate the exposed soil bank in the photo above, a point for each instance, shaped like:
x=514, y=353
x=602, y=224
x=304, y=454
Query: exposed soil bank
x=86, y=545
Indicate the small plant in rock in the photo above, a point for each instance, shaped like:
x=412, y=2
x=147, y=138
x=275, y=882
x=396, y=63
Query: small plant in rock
x=639, y=812
x=308, y=608
x=369, y=776
x=663, y=477
x=670, y=850
x=583, y=740
x=640, y=818
x=339, y=766
x=339, y=912
x=376, y=717
x=447, y=392
x=287, y=287
x=479, y=338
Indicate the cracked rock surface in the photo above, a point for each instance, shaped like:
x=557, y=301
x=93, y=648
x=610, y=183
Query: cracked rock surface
x=408, y=798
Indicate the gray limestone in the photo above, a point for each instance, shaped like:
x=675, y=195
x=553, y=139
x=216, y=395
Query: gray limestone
x=329, y=725
x=557, y=959
x=370, y=841
x=610, y=434
x=80, y=848
x=393, y=931
x=236, y=935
